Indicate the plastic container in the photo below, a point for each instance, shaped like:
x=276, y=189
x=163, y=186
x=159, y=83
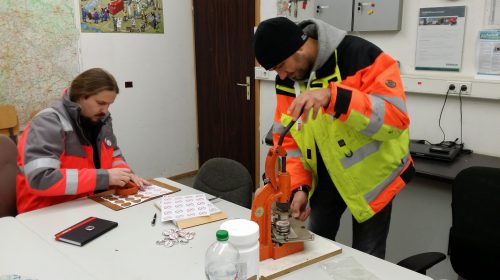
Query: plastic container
x=244, y=235
x=222, y=259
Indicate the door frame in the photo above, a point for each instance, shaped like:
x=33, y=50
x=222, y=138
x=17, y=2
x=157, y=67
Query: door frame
x=258, y=136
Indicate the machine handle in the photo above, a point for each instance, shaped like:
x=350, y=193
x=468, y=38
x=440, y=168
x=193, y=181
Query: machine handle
x=287, y=128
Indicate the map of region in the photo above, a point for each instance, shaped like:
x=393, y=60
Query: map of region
x=38, y=52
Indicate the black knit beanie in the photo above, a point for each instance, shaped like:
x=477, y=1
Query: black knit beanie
x=275, y=40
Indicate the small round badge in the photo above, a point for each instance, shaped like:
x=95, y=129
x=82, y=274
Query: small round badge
x=89, y=228
x=390, y=83
x=108, y=142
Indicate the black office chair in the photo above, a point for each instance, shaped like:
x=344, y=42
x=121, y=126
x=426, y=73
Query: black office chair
x=474, y=241
x=226, y=178
x=8, y=173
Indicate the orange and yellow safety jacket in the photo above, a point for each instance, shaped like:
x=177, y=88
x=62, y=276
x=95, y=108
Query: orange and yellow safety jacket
x=56, y=160
x=363, y=133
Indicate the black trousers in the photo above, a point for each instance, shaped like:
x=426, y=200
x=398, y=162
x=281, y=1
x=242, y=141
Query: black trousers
x=327, y=207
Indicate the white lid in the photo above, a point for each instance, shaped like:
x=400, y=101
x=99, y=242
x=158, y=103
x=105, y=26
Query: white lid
x=241, y=231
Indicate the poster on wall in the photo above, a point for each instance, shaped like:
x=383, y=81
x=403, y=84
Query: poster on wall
x=295, y=10
x=488, y=54
x=440, y=38
x=121, y=16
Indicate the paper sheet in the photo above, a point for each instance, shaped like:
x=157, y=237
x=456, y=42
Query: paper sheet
x=440, y=38
x=141, y=196
x=119, y=202
x=176, y=208
x=488, y=52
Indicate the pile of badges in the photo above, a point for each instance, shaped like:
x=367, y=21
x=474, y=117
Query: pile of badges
x=174, y=236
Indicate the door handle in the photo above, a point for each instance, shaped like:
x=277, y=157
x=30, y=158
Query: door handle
x=247, y=85
x=319, y=8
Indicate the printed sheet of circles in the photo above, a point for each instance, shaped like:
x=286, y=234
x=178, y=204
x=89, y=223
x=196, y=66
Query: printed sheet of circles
x=140, y=196
x=184, y=207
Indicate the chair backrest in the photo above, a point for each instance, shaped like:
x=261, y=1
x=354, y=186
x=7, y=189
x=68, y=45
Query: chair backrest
x=226, y=178
x=8, y=172
x=474, y=243
x=9, y=124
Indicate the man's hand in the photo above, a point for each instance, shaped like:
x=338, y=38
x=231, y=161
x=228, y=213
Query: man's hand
x=307, y=100
x=119, y=176
x=299, y=206
x=140, y=182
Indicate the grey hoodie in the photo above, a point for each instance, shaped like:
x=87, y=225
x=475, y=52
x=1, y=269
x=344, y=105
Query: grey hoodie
x=328, y=36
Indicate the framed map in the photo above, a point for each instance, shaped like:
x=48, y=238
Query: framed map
x=37, y=61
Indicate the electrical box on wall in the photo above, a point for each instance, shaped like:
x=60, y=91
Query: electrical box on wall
x=335, y=12
x=361, y=15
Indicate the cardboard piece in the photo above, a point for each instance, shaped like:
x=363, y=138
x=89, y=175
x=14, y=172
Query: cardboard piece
x=313, y=252
x=98, y=197
x=187, y=223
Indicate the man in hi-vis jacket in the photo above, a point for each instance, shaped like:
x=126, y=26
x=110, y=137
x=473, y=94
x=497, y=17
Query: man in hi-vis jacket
x=69, y=150
x=349, y=147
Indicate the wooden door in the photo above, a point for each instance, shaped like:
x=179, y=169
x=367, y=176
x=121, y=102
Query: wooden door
x=224, y=58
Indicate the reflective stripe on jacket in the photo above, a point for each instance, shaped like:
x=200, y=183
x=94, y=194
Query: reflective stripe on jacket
x=362, y=135
x=56, y=159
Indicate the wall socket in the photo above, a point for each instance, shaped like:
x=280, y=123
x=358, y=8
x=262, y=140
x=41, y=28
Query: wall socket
x=464, y=88
x=262, y=74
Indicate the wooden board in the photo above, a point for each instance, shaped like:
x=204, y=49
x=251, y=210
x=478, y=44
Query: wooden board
x=99, y=197
x=313, y=252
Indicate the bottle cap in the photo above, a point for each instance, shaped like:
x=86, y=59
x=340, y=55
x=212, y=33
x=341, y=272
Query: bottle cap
x=243, y=232
x=222, y=235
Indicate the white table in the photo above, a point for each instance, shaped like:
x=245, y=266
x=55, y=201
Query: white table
x=23, y=253
x=130, y=250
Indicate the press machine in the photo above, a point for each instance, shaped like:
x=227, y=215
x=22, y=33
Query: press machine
x=280, y=233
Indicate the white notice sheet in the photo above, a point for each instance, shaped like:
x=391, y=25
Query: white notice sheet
x=440, y=38
x=488, y=52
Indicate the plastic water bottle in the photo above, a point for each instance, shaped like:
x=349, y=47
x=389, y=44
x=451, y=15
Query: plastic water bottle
x=221, y=259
